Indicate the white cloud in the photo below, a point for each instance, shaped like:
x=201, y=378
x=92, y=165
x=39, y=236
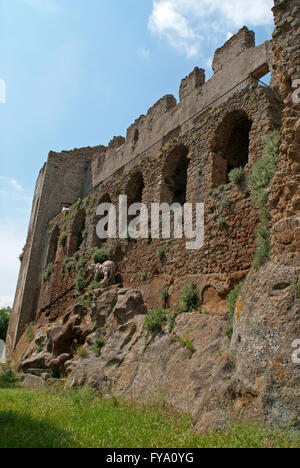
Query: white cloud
x=189, y=24
x=15, y=184
x=10, y=183
x=143, y=53
x=6, y=301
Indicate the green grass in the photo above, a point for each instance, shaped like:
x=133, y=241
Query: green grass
x=189, y=298
x=44, y=419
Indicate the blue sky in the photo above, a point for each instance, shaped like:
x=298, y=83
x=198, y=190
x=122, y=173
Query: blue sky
x=78, y=72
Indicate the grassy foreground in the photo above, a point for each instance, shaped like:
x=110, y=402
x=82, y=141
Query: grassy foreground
x=53, y=419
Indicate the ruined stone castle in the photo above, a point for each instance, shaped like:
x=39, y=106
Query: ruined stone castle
x=178, y=152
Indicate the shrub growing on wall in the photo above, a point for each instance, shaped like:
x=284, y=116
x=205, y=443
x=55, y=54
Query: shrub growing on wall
x=237, y=176
x=263, y=171
x=99, y=255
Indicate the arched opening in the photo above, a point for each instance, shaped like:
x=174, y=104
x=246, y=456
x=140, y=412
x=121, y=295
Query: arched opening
x=175, y=174
x=135, y=188
x=231, y=145
x=96, y=241
x=53, y=245
x=135, y=191
x=77, y=233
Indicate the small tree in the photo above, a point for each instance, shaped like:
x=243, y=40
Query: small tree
x=4, y=320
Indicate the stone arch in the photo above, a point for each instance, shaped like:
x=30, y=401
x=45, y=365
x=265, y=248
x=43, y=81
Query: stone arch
x=96, y=241
x=175, y=176
x=77, y=230
x=135, y=188
x=53, y=246
x=231, y=145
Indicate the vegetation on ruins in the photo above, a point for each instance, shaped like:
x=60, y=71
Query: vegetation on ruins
x=30, y=332
x=155, y=320
x=62, y=241
x=186, y=342
x=189, y=298
x=48, y=272
x=237, y=176
x=99, y=343
x=99, y=255
x=160, y=253
x=164, y=294
x=80, y=282
x=81, y=352
x=263, y=171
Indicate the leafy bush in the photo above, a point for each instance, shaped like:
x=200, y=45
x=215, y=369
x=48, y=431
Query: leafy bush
x=48, y=272
x=237, y=176
x=81, y=352
x=189, y=298
x=155, y=320
x=4, y=320
x=263, y=171
x=99, y=255
x=80, y=282
x=265, y=168
x=98, y=345
x=63, y=239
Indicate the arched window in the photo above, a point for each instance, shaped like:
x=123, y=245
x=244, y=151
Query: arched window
x=135, y=191
x=96, y=241
x=231, y=145
x=175, y=173
x=53, y=244
x=77, y=233
x=135, y=188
